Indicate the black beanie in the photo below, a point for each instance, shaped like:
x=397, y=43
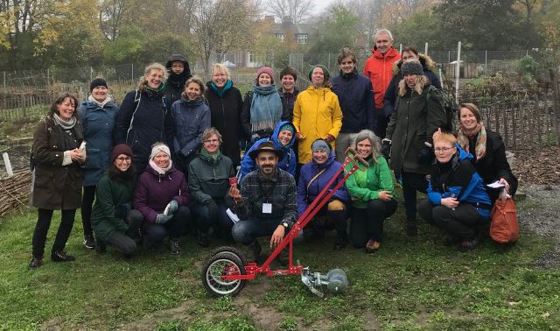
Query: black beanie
x=412, y=68
x=97, y=82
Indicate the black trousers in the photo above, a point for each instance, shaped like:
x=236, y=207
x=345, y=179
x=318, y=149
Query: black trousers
x=42, y=228
x=122, y=243
x=328, y=220
x=367, y=223
x=412, y=183
x=155, y=233
x=87, y=206
x=461, y=222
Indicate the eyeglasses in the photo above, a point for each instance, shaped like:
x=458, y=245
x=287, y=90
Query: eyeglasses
x=442, y=149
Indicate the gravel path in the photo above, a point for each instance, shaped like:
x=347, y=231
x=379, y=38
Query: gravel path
x=540, y=213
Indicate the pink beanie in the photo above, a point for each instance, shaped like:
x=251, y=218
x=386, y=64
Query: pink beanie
x=265, y=70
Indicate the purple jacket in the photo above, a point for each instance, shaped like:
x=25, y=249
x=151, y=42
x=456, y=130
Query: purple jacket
x=306, y=195
x=153, y=192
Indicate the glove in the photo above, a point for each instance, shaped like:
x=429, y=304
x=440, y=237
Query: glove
x=121, y=211
x=162, y=218
x=386, y=148
x=172, y=207
x=329, y=138
x=426, y=155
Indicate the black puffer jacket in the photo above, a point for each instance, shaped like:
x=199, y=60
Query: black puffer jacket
x=175, y=84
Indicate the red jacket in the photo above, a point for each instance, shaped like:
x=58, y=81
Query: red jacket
x=379, y=70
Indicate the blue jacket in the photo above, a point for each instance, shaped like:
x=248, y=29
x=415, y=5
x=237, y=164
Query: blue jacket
x=288, y=162
x=98, y=124
x=459, y=178
x=306, y=192
x=190, y=119
x=355, y=96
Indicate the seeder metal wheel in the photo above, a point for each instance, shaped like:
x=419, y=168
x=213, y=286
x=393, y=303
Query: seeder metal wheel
x=222, y=264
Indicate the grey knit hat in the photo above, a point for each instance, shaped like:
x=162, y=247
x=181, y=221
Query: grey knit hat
x=412, y=68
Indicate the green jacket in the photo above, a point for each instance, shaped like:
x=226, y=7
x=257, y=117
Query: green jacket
x=412, y=124
x=366, y=183
x=208, y=177
x=109, y=195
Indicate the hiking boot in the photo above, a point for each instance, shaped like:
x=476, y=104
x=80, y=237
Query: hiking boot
x=410, y=227
x=35, y=263
x=60, y=256
x=372, y=246
x=100, y=247
x=340, y=243
x=174, y=247
x=467, y=245
x=89, y=242
x=256, y=250
x=202, y=239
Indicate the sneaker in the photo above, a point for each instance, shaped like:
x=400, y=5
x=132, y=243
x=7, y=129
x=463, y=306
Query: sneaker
x=372, y=246
x=256, y=250
x=174, y=247
x=89, y=242
x=35, y=263
x=60, y=256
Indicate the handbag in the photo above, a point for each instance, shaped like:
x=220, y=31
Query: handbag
x=504, y=228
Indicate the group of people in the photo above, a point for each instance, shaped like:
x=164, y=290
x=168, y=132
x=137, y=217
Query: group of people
x=168, y=161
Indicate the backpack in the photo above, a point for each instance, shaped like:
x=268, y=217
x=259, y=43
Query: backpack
x=449, y=106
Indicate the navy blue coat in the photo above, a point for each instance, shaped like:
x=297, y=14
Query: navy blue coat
x=190, y=119
x=141, y=123
x=98, y=124
x=355, y=95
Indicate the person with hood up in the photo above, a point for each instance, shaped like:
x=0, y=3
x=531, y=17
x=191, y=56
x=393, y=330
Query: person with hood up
x=408, y=53
x=179, y=72
x=457, y=200
x=98, y=115
x=313, y=178
x=190, y=116
x=378, y=68
x=143, y=118
x=225, y=104
x=160, y=200
x=263, y=107
x=283, y=139
x=317, y=113
x=355, y=95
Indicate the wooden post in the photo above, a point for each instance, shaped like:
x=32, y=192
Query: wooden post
x=458, y=71
x=7, y=164
x=426, y=48
x=556, y=94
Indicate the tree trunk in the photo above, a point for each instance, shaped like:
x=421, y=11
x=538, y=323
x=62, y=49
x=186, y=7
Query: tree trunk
x=556, y=93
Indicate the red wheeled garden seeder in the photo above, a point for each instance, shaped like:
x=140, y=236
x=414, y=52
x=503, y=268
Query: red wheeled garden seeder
x=227, y=271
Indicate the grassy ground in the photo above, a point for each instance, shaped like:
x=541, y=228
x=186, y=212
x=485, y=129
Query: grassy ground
x=408, y=285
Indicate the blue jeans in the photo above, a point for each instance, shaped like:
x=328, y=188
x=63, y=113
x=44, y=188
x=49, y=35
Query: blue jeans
x=247, y=231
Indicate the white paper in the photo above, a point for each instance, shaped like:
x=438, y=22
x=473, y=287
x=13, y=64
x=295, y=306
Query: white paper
x=232, y=216
x=267, y=208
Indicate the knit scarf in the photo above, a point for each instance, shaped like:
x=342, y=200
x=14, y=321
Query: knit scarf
x=266, y=108
x=66, y=125
x=209, y=156
x=100, y=104
x=480, y=133
x=161, y=171
x=221, y=91
x=155, y=91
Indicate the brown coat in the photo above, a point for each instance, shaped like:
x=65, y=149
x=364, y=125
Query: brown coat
x=55, y=186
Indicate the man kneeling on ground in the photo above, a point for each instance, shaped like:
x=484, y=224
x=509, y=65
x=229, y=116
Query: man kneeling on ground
x=266, y=202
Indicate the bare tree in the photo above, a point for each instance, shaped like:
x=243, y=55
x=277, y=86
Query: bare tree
x=297, y=10
x=111, y=15
x=221, y=26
